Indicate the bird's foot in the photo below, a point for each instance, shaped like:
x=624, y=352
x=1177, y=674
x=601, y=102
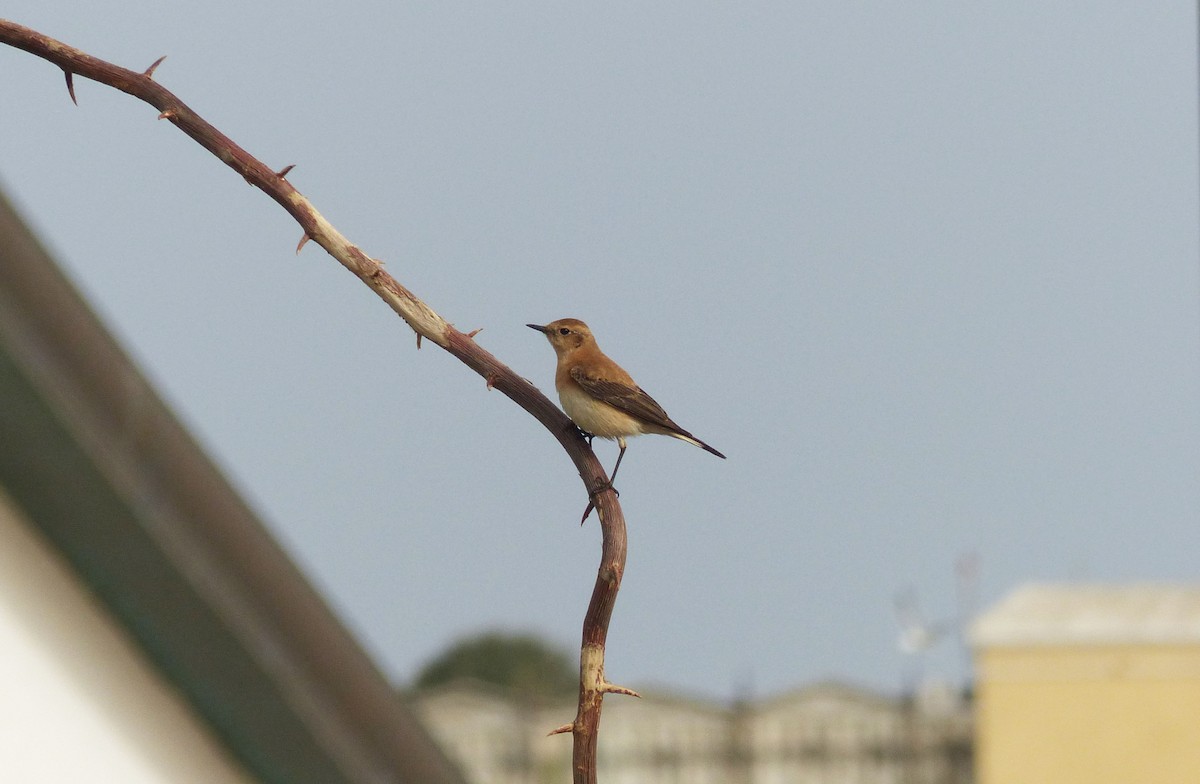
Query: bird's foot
x=592, y=498
x=606, y=486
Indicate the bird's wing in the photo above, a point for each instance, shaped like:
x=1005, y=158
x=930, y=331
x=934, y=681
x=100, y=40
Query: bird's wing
x=627, y=397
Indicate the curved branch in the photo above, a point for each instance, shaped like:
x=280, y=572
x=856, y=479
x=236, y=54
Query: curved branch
x=423, y=320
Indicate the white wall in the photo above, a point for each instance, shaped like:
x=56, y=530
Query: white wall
x=77, y=701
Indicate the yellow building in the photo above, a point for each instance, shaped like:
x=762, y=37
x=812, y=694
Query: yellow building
x=1095, y=684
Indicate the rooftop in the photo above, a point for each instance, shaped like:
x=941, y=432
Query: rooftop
x=1061, y=614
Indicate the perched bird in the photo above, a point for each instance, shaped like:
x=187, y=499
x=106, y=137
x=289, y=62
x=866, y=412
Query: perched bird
x=599, y=396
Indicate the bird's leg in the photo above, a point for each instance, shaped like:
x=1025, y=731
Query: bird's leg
x=613, y=477
x=607, y=485
x=620, y=456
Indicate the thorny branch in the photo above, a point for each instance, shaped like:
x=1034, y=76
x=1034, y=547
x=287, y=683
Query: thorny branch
x=424, y=321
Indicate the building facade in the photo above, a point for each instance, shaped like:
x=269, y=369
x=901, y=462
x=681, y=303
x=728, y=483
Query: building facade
x=1089, y=684
x=826, y=734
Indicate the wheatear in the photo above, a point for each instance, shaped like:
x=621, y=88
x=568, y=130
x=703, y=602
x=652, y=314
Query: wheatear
x=599, y=396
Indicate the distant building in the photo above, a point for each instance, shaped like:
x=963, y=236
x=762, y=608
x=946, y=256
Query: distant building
x=151, y=630
x=835, y=734
x=1089, y=684
x=666, y=739
x=827, y=733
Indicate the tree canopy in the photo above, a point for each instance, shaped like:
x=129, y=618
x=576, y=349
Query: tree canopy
x=524, y=663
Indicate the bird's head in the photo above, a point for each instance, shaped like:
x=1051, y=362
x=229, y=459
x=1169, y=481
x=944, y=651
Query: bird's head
x=565, y=335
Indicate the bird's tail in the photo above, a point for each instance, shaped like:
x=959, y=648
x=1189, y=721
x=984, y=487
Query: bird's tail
x=684, y=435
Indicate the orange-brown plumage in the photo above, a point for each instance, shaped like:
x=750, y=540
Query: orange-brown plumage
x=599, y=396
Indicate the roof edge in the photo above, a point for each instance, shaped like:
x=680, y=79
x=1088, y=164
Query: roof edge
x=88, y=411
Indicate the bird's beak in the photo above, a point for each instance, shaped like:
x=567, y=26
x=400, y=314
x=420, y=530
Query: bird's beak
x=541, y=329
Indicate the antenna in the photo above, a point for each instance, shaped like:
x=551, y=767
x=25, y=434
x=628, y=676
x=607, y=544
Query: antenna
x=918, y=635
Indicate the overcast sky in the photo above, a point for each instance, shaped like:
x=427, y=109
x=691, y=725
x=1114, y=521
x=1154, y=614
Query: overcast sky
x=927, y=273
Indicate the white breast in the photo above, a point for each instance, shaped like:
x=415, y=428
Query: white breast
x=599, y=419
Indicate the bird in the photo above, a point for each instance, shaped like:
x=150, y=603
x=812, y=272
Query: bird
x=600, y=397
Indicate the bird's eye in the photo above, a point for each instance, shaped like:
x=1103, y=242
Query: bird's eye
x=564, y=331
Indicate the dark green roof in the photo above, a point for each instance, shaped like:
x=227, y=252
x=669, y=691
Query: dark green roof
x=111, y=479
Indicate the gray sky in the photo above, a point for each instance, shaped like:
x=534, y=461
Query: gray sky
x=928, y=276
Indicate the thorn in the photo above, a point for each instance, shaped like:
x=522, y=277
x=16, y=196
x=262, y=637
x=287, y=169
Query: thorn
x=71, y=86
x=284, y=171
x=587, y=512
x=560, y=730
x=612, y=688
x=149, y=72
x=169, y=114
x=474, y=332
x=418, y=341
x=491, y=379
x=303, y=240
